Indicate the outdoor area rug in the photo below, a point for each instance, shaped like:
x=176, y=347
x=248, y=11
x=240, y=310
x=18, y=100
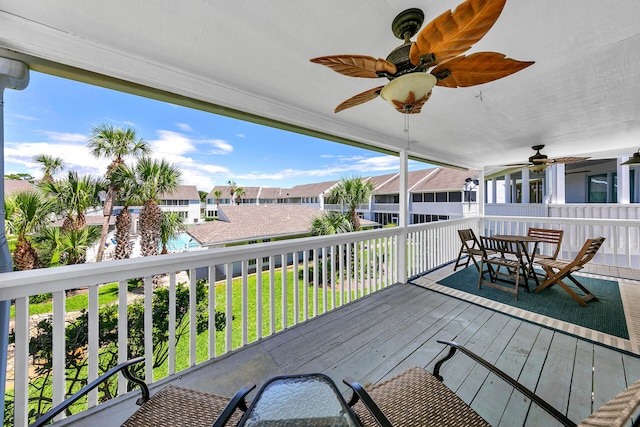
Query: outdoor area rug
x=608, y=321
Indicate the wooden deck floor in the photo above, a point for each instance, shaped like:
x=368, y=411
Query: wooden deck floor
x=397, y=328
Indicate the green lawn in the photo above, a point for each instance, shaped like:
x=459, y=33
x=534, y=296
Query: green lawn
x=202, y=350
x=107, y=294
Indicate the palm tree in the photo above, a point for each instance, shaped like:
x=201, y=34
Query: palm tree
x=127, y=184
x=239, y=193
x=331, y=223
x=50, y=166
x=217, y=194
x=232, y=190
x=154, y=178
x=74, y=244
x=73, y=196
x=170, y=227
x=350, y=192
x=115, y=144
x=25, y=214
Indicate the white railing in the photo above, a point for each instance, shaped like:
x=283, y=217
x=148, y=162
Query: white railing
x=323, y=273
x=431, y=245
x=620, y=249
x=596, y=210
x=314, y=284
x=516, y=209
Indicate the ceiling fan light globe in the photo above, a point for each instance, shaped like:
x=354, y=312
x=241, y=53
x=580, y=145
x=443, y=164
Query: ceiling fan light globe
x=538, y=167
x=399, y=88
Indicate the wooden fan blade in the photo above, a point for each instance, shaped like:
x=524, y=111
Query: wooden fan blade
x=453, y=33
x=477, y=68
x=360, y=98
x=356, y=65
x=569, y=159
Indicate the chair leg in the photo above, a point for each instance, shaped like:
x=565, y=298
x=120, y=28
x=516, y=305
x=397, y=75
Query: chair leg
x=588, y=296
x=458, y=263
x=571, y=293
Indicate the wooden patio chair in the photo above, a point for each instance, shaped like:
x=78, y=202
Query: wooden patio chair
x=510, y=257
x=551, y=238
x=417, y=398
x=470, y=247
x=557, y=270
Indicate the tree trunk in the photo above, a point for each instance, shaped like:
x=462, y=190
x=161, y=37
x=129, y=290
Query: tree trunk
x=123, y=232
x=107, y=210
x=150, y=219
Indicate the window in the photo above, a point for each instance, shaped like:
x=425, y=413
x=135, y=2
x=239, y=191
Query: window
x=416, y=197
x=455, y=196
x=441, y=197
x=428, y=197
x=597, y=188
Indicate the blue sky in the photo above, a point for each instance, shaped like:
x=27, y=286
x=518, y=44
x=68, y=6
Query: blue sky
x=55, y=116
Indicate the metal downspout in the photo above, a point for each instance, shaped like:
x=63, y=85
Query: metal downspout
x=13, y=75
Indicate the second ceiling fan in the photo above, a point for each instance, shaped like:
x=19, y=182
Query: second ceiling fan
x=435, y=58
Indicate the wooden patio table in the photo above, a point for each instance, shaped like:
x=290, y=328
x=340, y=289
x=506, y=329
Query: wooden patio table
x=524, y=242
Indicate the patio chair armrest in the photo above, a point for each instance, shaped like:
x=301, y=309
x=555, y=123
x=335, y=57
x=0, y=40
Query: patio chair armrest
x=238, y=401
x=124, y=367
x=359, y=393
x=453, y=346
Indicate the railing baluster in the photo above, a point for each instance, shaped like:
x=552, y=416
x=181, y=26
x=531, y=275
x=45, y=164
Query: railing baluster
x=94, y=349
x=123, y=332
x=325, y=296
x=285, y=286
x=315, y=282
x=334, y=289
x=193, y=326
x=349, y=275
x=259, y=312
x=148, y=328
x=21, y=362
x=245, y=302
x=305, y=282
x=341, y=273
x=228, y=271
x=172, y=322
x=58, y=349
x=211, y=270
x=272, y=295
x=296, y=287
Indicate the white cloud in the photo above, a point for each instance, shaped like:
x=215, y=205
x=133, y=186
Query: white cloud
x=23, y=117
x=240, y=135
x=184, y=127
x=171, y=144
x=219, y=146
x=76, y=157
x=65, y=137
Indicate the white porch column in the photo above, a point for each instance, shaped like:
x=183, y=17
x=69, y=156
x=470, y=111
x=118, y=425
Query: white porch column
x=13, y=75
x=624, y=185
x=526, y=196
x=481, y=193
x=556, y=183
x=507, y=188
x=494, y=188
x=403, y=217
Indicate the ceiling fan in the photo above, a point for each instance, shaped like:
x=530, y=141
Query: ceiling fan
x=539, y=162
x=435, y=58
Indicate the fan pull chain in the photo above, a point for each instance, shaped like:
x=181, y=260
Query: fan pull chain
x=406, y=128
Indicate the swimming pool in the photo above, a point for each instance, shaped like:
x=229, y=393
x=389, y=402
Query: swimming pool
x=181, y=243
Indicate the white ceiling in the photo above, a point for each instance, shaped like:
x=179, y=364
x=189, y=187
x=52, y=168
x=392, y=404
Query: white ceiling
x=250, y=59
